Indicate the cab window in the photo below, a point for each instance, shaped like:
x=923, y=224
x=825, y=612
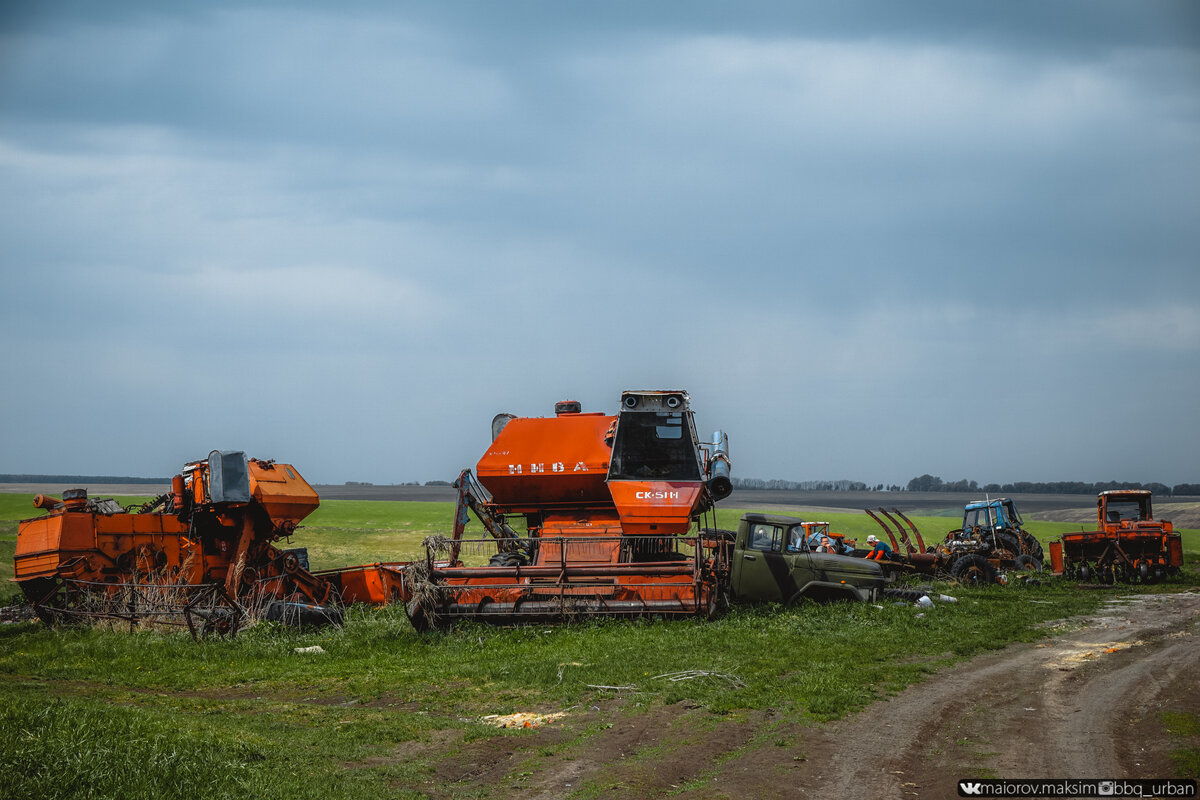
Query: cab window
x=797, y=540
x=977, y=517
x=767, y=538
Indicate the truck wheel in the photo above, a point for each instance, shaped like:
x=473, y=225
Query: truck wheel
x=1028, y=562
x=973, y=568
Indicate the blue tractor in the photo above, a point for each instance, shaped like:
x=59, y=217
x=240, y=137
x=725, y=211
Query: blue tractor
x=998, y=522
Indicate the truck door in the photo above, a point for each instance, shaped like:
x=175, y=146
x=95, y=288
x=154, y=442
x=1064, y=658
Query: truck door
x=762, y=570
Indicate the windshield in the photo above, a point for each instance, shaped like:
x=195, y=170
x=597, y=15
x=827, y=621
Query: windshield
x=654, y=445
x=796, y=539
x=1134, y=509
x=977, y=518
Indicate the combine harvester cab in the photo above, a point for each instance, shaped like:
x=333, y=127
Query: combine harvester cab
x=610, y=507
x=1129, y=544
x=201, y=555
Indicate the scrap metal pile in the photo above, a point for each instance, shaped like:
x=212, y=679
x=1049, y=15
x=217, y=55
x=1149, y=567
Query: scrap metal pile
x=585, y=514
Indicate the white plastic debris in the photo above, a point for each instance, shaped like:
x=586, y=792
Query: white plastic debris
x=316, y=648
x=945, y=598
x=924, y=602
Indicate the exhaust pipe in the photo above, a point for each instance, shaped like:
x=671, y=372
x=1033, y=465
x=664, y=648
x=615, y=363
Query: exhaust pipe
x=719, y=484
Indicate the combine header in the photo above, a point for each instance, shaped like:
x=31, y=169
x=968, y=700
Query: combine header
x=200, y=555
x=1130, y=545
x=610, y=507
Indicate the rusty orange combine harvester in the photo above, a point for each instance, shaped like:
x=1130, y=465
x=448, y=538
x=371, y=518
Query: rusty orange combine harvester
x=202, y=555
x=611, y=509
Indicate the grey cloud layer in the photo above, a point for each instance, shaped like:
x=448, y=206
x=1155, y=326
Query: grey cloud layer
x=350, y=238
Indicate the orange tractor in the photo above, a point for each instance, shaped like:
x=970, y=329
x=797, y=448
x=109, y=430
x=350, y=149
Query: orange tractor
x=1129, y=545
x=200, y=555
x=610, y=508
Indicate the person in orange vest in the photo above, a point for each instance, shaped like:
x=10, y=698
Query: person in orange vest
x=879, y=550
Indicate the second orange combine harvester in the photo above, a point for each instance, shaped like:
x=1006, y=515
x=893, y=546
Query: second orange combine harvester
x=610, y=508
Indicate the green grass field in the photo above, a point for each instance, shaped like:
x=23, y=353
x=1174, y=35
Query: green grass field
x=88, y=712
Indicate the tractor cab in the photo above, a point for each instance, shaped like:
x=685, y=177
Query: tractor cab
x=1121, y=509
x=991, y=515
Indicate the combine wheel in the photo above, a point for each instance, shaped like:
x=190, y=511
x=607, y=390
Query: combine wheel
x=1028, y=563
x=422, y=621
x=300, y=614
x=973, y=568
x=719, y=533
x=1084, y=573
x=1143, y=572
x=508, y=560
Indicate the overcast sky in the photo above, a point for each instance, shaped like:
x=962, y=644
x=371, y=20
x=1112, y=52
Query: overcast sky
x=871, y=239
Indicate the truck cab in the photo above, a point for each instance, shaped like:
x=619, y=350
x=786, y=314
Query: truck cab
x=773, y=562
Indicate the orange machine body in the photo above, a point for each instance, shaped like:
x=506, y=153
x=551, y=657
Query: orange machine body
x=216, y=527
x=608, y=503
x=1129, y=544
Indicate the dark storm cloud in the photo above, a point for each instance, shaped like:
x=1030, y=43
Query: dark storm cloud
x=308, y=232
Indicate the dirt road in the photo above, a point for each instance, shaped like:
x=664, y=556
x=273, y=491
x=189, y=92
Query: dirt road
x=1083, y=703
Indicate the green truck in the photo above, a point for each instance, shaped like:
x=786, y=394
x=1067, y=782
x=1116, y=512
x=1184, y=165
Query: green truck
x=773, y=562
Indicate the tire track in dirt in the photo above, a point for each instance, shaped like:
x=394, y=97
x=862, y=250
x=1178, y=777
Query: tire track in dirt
x=1064, y=707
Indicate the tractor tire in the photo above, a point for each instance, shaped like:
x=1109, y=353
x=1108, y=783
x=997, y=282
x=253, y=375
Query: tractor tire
x=1032, y=546
x=1085, y=573
x=1010, y=543
x=973, y=568
x=1028, y=563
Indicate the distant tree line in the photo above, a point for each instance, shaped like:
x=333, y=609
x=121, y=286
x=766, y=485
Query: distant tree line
x=79, y=479
x=932, y=483
x=804, y=486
